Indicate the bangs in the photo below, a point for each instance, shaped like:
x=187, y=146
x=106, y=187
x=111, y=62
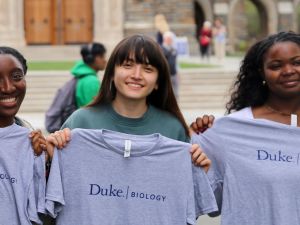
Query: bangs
x=141, y=50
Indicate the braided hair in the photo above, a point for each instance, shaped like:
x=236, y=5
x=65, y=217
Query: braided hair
x=4, y=50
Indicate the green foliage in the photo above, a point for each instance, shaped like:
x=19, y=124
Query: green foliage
x=242, y=45
x=253, y=19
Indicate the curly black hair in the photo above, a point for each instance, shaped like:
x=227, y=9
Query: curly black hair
x=4, y=50
x=248, y=89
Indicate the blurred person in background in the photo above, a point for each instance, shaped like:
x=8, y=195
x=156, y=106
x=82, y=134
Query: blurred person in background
x=85, y=70
x=219, y=39
x=171, y=56
x=205, y=36
x=162, y=26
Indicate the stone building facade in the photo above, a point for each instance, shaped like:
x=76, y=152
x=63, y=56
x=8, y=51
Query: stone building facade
x=111, y=20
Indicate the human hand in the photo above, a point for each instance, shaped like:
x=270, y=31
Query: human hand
x=199, y=158
x=202, y=123
x=58, y=139
x=38, y=142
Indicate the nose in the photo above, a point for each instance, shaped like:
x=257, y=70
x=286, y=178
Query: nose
x=6, y=85
x=136, y=74
x=288, y=69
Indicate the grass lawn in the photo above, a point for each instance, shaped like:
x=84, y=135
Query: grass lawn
x=186, y=65
x=67, y=65
x=50, y=65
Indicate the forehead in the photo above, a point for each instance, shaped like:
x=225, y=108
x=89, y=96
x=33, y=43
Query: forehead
x=283, y=49
x=140, y=57
x=8, y=62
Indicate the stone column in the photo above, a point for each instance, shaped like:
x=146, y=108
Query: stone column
x=12, y=23
x=286, y=14
x=108, y=22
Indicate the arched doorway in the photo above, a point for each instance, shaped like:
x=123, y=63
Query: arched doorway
x=202, y=12
x=199, y=18
x=249, y=21
x=58, y=21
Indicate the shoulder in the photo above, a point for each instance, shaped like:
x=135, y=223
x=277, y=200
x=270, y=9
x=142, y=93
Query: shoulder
x=84, y=116
x=169, y=125
x=23, y=123
x=16, y=131
x=166, y=116
x=245, y=113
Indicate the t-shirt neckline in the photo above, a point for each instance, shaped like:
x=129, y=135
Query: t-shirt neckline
x=154, y=138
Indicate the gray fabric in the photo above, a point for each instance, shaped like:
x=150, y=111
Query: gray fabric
x=91, y=181
x=22, y=178
x=255, y=170
x=62, y=106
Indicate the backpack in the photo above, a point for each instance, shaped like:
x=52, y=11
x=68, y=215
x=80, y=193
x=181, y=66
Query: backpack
x=63, y=105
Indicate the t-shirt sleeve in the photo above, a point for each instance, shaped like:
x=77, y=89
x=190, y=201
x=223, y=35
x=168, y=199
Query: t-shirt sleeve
x=54, y=193
x=36, y=200
x=210, y=143
x=205, y=201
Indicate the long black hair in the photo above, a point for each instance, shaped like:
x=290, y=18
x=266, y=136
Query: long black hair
x=145, y=51
x=248, y=89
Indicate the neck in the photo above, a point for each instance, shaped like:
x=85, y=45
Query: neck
x=4, y=122
x=291, y=106
x=130, y=109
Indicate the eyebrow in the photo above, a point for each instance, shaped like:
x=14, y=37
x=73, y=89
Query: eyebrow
x=17, y=69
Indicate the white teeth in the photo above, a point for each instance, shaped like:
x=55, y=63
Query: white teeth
x=8, y=100
x=134, y=85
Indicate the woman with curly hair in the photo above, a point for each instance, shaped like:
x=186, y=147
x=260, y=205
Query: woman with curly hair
x=255, y=150
x=267, y=85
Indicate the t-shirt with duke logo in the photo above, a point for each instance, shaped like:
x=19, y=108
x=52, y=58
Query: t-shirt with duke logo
x=22, y=178
x=110, y=178
x=255, y=170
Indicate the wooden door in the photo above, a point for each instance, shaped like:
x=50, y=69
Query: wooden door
x=38, y=21
x=77, y=21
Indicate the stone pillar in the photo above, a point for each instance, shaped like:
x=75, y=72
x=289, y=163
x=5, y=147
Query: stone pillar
x=286, y=14
x=108, y=22
x=12, y=23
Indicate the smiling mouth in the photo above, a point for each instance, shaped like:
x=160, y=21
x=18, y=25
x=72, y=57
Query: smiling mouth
x=8, y=100
x=290, y=83
x=134, y=85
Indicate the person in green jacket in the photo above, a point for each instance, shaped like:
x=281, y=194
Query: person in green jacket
x=88, y=83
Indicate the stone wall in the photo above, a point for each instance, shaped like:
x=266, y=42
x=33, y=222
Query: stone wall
x=114, y=19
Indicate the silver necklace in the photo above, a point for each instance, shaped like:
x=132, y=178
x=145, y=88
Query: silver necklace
x=294, y=117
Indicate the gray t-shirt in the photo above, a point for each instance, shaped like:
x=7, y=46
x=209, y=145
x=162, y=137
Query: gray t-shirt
x=255, y=170
x=94, y=182
x=22, y=178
